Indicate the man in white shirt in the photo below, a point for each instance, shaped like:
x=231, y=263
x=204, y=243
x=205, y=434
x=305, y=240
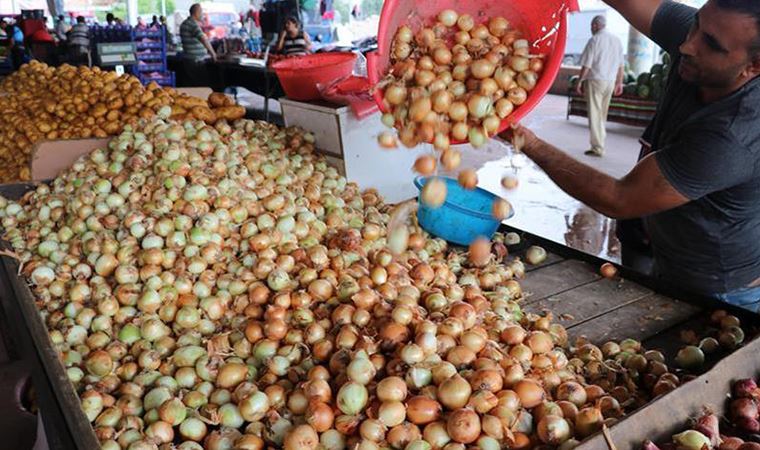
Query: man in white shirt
x=601, y=76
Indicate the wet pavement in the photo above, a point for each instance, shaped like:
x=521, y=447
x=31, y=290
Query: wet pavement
x=541, y=208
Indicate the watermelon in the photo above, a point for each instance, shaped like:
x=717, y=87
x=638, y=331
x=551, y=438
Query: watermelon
x=666, y=59
x=643, y=91
x=656, y=80
x=630, y=77
x=656, y=69
x=630, y=88
x=643, y=79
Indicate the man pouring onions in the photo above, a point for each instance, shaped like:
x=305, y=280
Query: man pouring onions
x=693, y=198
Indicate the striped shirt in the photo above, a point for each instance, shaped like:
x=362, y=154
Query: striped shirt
x=79, y=35
x=295, y=45
x=192, y=46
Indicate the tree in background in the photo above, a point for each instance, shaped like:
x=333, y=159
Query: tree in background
x=371, y=7
x=145, y=8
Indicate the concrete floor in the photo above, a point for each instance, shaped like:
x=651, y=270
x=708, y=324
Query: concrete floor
x=540, y=206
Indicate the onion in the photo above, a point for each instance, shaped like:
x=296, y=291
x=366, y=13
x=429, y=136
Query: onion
x=530, y=393
x=535, y=255
x=498, y=26
x=391, y=413
x=433, y=193
x=465, y=22
x=352, y=398
x=441, y=101
x=553, y=430
x=480, y=251
x=692, y=440
x=442, y=56
x=395, y=94
x=404, y=34
x=450, y=159
x=608, y=270
x=527, y=80
x=425, y=38
x=425, y=165
x=463, y=425
x=454, y=393
x=448, y=17
x=517, y=96
x=536, y=65
x=477, y=137
x=491, y=124
x=479, y=106
x=488, y=87
x=509, y=182
x=743, y=408
x=458, y=111
x=420, y=108
x=468, y=179
x=422, y=410
x=745, y=388
x=301, y=437
x=460, y=131
x=539, y=342
x=482, y=69
x=588, y=421
x=423, y=78
x=690, y=357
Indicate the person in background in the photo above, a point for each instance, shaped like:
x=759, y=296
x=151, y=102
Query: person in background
x=110, y=19
x=141, y=23
x=293, y=40
x=79, y=42
x=154, y=23
x=601, y=77
x=195, y=48
x=61, y=28
x=15, y=43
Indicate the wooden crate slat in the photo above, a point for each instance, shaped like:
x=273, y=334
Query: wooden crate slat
x=557, y=278
x=590, y=300
x=641, y=320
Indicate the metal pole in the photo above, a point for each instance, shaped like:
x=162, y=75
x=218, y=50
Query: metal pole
x=163, y=8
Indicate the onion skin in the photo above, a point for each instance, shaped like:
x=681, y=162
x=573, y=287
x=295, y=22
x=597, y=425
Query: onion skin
x=746, y=388
x=463, y=425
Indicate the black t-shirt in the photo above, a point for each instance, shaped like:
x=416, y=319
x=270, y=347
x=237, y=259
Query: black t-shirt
x=710, y=154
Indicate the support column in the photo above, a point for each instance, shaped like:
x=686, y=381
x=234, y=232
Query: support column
x=640, y=51
x=132, y=12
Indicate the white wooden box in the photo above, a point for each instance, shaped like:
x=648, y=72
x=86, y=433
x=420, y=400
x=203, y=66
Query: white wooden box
x=351, y=145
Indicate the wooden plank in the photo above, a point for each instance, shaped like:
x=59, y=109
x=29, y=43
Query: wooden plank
x=51, y=157
x=199, y=92
x=552, y=280
x=551, y=259
x=670, y=413
x=77, y=422
x=590, y=300
x=640, y=320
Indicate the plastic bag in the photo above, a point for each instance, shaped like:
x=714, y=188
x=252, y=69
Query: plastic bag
x=354, y=90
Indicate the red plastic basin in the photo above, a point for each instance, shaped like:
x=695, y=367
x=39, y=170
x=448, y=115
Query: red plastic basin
x=300, y=76
x=542, y=22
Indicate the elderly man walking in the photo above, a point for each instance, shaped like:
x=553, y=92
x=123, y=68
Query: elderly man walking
x=601, y=76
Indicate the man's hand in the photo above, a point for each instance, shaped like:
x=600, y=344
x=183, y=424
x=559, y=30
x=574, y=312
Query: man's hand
x=618, y=89
x=519, y=136
x=579, y=87
x=213, y=56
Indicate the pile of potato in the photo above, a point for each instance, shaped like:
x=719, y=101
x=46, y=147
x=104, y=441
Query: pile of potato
x=46, y=103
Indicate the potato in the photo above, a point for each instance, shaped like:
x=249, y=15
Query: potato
x=204, y=113
x=230, y=112
x=217, y=99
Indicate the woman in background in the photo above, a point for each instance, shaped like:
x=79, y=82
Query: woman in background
x=293, y=40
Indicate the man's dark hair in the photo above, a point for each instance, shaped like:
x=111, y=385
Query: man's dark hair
x=80, y=19
x=109, y=17
x=194, y=7
x=747, y=7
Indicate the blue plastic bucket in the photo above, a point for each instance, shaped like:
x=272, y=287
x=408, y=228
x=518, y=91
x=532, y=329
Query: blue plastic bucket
x=463, y=217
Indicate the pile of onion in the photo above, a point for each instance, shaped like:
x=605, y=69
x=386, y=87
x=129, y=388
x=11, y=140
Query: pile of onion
x=221, y=287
